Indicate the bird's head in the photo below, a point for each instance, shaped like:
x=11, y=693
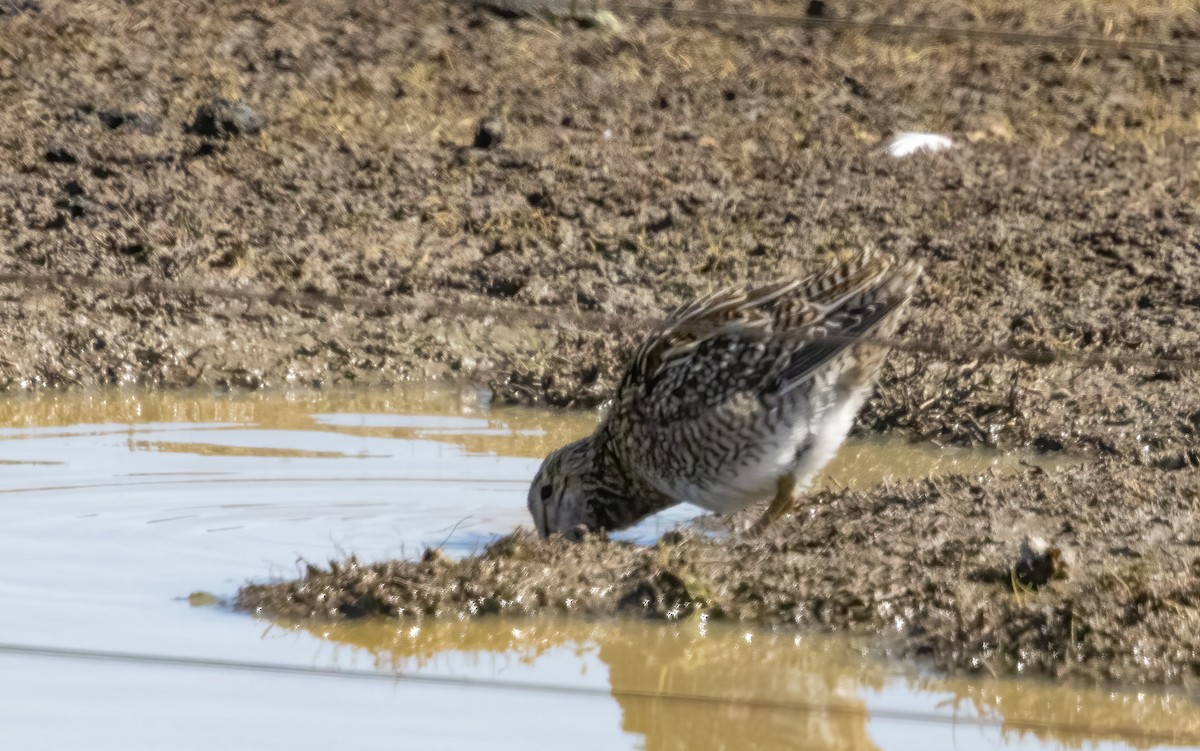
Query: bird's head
x=561, y=497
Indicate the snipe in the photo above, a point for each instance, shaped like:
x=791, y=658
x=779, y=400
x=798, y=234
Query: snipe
x=742, y=396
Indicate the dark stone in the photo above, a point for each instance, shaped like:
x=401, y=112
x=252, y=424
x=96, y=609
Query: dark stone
x=76, y=206
x=662, y=223
x=60, y=155
x=138, y=251
x=1038, y=563
x=857, y=88
x=489, y=134
x=136, y=121
x=225, y=118
x=1044, y=444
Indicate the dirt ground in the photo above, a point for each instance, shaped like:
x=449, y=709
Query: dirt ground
x=336, y=147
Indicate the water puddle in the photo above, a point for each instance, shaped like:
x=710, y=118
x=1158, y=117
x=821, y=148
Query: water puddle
x=119, y=511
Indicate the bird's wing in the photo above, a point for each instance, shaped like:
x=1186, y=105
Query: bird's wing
x=773, y=336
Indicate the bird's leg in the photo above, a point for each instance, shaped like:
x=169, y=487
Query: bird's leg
x=785, y=496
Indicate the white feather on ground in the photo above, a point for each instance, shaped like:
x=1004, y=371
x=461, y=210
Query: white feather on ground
x=907, y=144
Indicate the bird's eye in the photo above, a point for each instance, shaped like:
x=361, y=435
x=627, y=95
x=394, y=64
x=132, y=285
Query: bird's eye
x=547, y=491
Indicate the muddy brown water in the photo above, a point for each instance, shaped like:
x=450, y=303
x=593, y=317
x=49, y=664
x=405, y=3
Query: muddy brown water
x=116, y=506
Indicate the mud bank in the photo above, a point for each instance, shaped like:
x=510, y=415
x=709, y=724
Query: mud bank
x=1110, y=592
x=334, y=147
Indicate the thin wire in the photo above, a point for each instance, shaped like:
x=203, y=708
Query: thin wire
x=559, y=689
x=904, y=30
x=562, y=319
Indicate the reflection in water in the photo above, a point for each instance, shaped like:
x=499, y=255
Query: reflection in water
x=29, y=463
x=729, y=665
x=643, y=658
x=476, y=427
x=772, y=691
x=447, y=415
x=1078, y=718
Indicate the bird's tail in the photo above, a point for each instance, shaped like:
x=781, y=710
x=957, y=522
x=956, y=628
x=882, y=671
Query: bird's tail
x=868, y=276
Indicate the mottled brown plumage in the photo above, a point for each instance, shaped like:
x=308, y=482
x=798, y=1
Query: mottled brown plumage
x=743, y=396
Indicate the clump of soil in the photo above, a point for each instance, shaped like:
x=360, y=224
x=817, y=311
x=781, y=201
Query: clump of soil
x=935, y=568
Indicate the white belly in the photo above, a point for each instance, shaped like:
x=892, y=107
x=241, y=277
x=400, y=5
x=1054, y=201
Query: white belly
x=750, y=483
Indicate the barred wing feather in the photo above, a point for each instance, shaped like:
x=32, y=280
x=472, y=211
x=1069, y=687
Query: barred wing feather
x=776, y=336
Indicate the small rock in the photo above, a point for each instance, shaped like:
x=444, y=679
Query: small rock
x=137, y=251
x=224, y=118
x=857, y=87
x=490, y=133
x=200, y=599
x=60, y=155
x=1038, y=562
x=816, y=9
x=75, y=206
x=136, y=121
x=1045, y=444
